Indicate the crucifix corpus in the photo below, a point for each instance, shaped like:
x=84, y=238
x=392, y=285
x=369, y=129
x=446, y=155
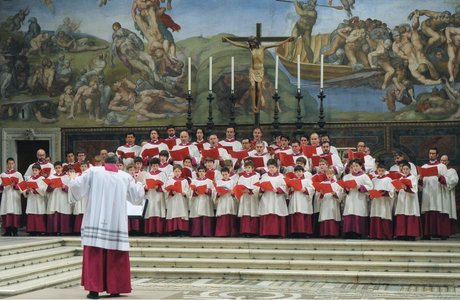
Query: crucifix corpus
x=256, y=69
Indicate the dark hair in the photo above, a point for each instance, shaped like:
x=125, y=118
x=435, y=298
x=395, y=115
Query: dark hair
x=156, y=130
x=201, y=167
x=299, y=168
x=110, y=159
x=57, y=163
x=130, y=133
x=272, y=162
x=357, y=161
x=187, y=158
x=36, y=166
x=224, y=169
x=164, y=153
x=301, y=160
x=171, y=126
x=154, y=161
x=69, y=152
x=9, y=158
x=138, y=159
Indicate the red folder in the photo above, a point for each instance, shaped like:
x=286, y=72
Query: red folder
x=319, y=177
x=398, y=183
x=200, y=189
x=265, y=185
x=126, y=154
x=169, y=142
x=315, y=159
x=350, y=184
x=375, y=194
x=228, y=148
x=150, y=152
x=271, y=150
x=23, y=185
x=179, y=155
x=258, y=161
x=323, y=188
x=9, y=181
x=186, y=173
x=295, y=184
x=286, y=160
x=290, y=175
x=308, y=150
x=212, y=152
x=176, y=187
x=238, y=190
x=238, y=154
x=427, y=172
x=210, y=174
x=200, y=146
x=221, y=190
x=56, y=182
x=45, y=172
x=152, y=183
x=356, y=155
x=394, y=175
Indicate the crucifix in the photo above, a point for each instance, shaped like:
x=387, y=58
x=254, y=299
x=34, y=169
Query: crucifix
x=256, y=69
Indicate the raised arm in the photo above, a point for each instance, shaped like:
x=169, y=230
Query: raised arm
x=290, y=39
x=240, y=45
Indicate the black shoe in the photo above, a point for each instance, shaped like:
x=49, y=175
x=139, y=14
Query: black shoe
x=114, y=295
x=93, y=295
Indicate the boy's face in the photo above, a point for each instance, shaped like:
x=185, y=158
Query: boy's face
x=272, y=169
x=329, y=175
x=248, y=169
x=405, y=170
x=355, y=168
x=225, y=175
x=139, y=165
x=300, y=164
x=131, y=171
x=120, y=166
x=10, y=165
x=35, y=172
x=163, y=158
x=58, y=169
x=209, y=165
x=154, y=135
x=187, y=163
x=155, y=167
x=322, y=166
x=201, y=173
x=71, y=172
x=298, y=173
x=177, y=172
x=381, y=171
x=295, y=147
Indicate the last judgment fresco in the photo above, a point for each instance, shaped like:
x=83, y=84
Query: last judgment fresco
x=93, y=63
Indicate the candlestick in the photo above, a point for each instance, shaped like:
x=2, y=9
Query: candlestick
x=322, y=71
x=276, y=72
x=298, y=71
x=233, y=74
x=210, y=73
x=189, y=75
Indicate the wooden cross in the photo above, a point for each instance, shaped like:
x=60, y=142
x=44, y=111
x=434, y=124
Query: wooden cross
x=261, y=39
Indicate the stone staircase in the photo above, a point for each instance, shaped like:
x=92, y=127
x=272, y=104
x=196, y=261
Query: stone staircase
x=57, y=262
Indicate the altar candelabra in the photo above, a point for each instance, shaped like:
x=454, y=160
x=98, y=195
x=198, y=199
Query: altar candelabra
x=189, y=123
x=321, y=121
x=298, y=123
x=276, y=123
x=210, y=124
x=232, y=122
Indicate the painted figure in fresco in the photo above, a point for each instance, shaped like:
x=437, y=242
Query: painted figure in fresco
x=14, y=23
x=69, y=26
x=124, y=97
x=43, y=77
x=66, y=101
x=432, y=27
x=256, y=69
x=453, y=51
x=39, y=43
x=303, y=28
x=401, y=90
x=454, y=96
x=97, y=65
x=33, y=30
x=68, y=43
x=155, y=104
x=87, y=96
x=348, y=5
x=5, y=80
x=338, y=38
x=408, y=45
x=381, y=54
x=105, y=91
x=354, y=45
x=130, y=50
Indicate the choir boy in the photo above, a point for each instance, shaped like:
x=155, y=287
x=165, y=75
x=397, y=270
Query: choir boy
x=36, y=203
x=165, y=167
x=356, y=210
x=201, y=205
x=248, y=207
x=59, y=210
x=155, y=212
x=226, y=206
x=329, y=206
x=407, y=211
x=300, y=220
x=448, y=189
x=381, y=225
x=273, y=208
x=10, y=205
x=177, y=221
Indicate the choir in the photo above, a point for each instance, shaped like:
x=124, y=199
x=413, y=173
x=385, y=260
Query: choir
x=229, y=188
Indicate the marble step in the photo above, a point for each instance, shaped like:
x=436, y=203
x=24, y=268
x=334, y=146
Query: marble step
x=40, y=283
x=34, y=257
x=442, y=279
x=285, y=244
x=273, y=254
x=32, y=244
x=39, y=270
x=327, y=265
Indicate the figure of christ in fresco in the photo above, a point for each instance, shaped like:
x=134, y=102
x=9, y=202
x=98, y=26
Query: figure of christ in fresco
x=256, y=69
x=130, y=50
x=408, y=45
x=302, y=29
x=453, y=51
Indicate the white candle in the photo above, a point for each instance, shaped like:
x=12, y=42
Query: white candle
x=276, y=72
x=233, y=74
x=210, y=73
x=298, y=72
x=322, y=71
x=189, y=74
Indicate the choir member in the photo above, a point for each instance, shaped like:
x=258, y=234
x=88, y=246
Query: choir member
x=152, y=144
x=193, y=151
x=201, y=205
x=36, y=203
x=300, y=219
x=329, y=206
x=230, y=143
x=165, y=167
x=177, y=221
x=10, y=205
x=226, y=206
x=448, y=191
x=248, y=207
x=46, y=167
x=155, y=211
x=129, y=150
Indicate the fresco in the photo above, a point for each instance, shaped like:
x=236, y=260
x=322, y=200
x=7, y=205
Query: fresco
x=92, y=63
